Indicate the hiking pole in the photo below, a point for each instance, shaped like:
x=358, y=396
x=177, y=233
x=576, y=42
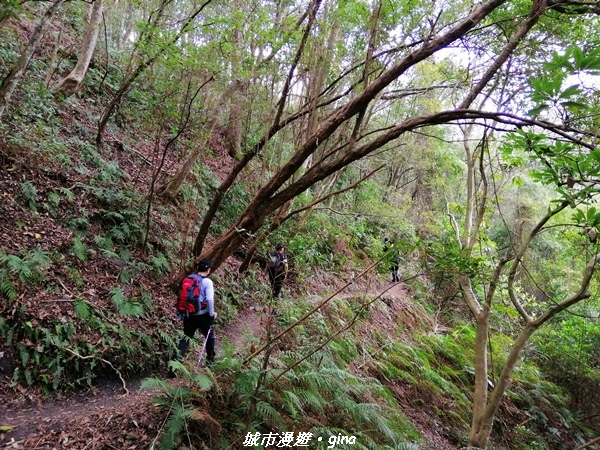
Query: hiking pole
x=204, y=347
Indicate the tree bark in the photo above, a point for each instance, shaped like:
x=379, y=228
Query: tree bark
x=73, y=82
x=11, y=80
x=233, y=138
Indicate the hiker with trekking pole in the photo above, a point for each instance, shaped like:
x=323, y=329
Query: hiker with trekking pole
x=195, y=306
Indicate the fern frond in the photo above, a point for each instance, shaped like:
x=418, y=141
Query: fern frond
x=179, y=367
x=154, y=384
x=268, y=414
x=38, y=259
x=83, y=309
x=79, y=249
x=110, y=254
x=312, y=399
x=103, y=242
x=203, y=381
x=174, y=425
x=117, y=296
x=160, y=264
x=132, y=308
x=67, y=193
x=167, y=339
x=292, y=403
x=8, y=290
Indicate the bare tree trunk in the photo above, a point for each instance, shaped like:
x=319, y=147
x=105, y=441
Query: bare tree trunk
x=73, y=82
x=233, y=137
x=234, y=128
x=11, y=80
x=53, y=64
x=481, y=427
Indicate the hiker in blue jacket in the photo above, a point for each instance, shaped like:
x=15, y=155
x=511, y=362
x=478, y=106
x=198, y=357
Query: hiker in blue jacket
x=204, y=318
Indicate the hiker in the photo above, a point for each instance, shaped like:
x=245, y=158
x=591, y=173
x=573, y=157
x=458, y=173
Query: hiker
x=277, y=269
x=395, y=266
x=387, y=244
x=204, y=318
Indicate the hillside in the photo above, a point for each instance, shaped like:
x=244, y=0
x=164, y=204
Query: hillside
x=104, y=416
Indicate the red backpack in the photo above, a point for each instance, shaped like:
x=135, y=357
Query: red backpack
x=191, y=299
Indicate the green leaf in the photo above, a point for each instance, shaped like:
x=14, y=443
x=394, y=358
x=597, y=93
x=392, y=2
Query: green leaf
x=538, y=110
x=591, y=213
x=578, y=56
x=574, y=106
x=571, y=91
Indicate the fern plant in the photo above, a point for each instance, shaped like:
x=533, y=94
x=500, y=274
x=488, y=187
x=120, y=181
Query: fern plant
x=83, y=309
x=27, y=268
x=125, y=306
x=7, y=288
x=29, y=192
x=160, y=264
x=178, y=402
x=78, y=249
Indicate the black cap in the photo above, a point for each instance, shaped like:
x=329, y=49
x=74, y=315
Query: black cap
x=204, y=265
x=279, y=246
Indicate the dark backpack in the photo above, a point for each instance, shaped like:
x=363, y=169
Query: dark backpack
x=190, y=300
x=276, y=262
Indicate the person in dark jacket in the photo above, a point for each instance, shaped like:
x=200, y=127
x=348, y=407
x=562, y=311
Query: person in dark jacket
x=277, y=269
x=395, y=261
x=395, y=267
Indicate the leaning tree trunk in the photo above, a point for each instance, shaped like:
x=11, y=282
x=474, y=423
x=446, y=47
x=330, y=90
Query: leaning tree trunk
x=73, y=82
x=10, y=82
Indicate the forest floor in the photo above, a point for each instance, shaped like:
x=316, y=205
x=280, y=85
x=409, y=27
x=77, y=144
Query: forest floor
x=117, y=415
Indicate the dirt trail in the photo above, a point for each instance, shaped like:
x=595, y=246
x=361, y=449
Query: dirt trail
x=105, y=417
x=99, y=406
